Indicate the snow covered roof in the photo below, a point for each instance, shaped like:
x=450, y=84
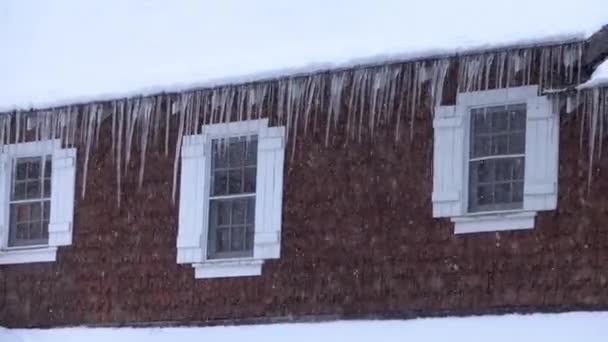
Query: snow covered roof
x=580, y=326
x=67, y=51
x=599, y=77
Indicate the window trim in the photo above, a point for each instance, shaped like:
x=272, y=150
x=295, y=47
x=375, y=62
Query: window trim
x=451, y=189
x=192, y=242
x=33, y=253
x=225, y=131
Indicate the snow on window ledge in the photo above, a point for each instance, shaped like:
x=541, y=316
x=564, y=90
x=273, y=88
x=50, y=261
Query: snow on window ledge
x=494, y=222
x=228, y=268
x=28, y=255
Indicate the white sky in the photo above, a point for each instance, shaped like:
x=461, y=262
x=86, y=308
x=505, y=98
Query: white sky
x=63, y=51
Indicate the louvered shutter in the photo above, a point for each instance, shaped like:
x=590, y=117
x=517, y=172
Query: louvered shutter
x=5, y=170
x=269, y=193
x=542, y=145
x=193, y=183
x=63, y=177
x=448, y=163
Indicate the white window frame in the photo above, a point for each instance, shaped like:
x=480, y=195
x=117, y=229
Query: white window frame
x=62, y=200
x=451, y=160
x=195, y=180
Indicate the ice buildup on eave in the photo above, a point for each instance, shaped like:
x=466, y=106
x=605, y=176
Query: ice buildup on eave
x=355, y=100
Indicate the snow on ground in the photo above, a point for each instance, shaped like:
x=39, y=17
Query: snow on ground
x=66, y=51
x=599, y=77
x=568, y=327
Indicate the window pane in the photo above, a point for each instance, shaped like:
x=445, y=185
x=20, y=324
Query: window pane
x=27, y=225
x=500, y=121
x=20, y=171
x=493, y=184
x=251, y=154
x=220, y=156
x=239, y=211
x=237, y=239
x=235, y=181
x=222, y=240
x=47, y=188
x=517, y=143
x=251, y=211
x=500, y=145
x=33, y=169
x=219, y=186
x=480, y=122
x=46, y=214
x=517, y=117
x=502, y=193
x=518, y=192
x=250, y=179
x=48, y=167
x=19, y=191
x=249, y=238
x=481, y=146
x=233, y=169
x=237, y=153
x=228, y=222
x=32, y=189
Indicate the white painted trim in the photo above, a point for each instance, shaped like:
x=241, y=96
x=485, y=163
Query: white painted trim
x=60, y=223
x=192, y=248
x=237, y=128
x=493, y=223
x=228, y=268
x=496, y=97
x=28, y=255
x=32, y=148
x=450, y=186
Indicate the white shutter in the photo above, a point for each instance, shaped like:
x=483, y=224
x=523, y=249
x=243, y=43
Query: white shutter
x=193, y=181
x=63, y=178
x=448, y=162
x=4, y=197
x=542, y=146
x=269, y=193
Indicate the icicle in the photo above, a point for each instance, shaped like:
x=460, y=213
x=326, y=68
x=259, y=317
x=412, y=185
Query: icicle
x=167, y=123
x=121, y=120
x=89, y=137
x=335, y=103
x=145, y=123
x=133, y=108
x=178, y=145
x=114, y=131
x=439, y=75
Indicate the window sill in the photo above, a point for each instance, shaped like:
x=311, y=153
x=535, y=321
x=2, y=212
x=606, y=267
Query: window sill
x=228, y=268
x=494, y=222
x=28, y=255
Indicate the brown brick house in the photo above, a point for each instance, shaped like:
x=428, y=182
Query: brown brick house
x=460, y=184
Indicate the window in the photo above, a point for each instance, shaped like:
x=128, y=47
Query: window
x=231, y=198
x=30, y=204
x=36, y=202
x=495, y=159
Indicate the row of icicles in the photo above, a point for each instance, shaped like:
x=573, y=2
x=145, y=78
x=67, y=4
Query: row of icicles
x=360, y=98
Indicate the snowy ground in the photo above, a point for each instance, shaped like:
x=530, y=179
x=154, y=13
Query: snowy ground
x=65, y=51
x=568, y=327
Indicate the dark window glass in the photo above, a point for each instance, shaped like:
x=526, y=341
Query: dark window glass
x=30, y=202
x=232, y=197
x=496, y=164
